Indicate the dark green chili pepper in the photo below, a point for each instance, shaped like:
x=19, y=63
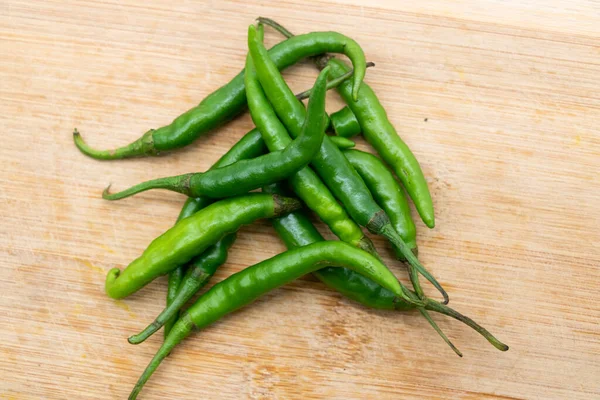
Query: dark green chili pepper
x=191, y=236
x=306, y=183
x=249, y=284
x=199, y=272
x=344, y=123
x=246, y=175
x=296, y=230
x=390, y=196
x=387, y=193
x=229, y=100
x=380, y=133
x=329, y=162
x=249, y=146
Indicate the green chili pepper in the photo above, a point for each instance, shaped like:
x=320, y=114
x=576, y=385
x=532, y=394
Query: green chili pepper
x=329, y=162
x=306, y=184
x=296, y=230
x=387, y=193
x=190, y=207
x=246, y=175
x=200, y=270
x=380, y=133
x=342, y=142
x=344, y=123
x=249, y=284
x=191, y=236
x=249, y=146
x=229, y=100
x=390, y=196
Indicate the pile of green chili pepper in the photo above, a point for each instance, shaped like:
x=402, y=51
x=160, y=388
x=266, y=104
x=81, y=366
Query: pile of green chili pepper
x=296, y=165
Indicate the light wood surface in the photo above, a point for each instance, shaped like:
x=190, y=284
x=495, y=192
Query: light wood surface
x=500, y=101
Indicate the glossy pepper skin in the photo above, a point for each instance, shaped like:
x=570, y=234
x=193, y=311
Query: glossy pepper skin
x=386, y=192
x=249, y=146
x=191, y=236
x=199, y=272
x=344, y=123
x=249, y=284
x=246, y=175
x=390, y=196
x=379, y=132
x=330, y=163
x=305, y=183
x=296, y=230
x=229, y=100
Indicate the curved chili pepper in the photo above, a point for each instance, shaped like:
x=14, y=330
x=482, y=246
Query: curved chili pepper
x=306, y=184
x=380, y=133
x=191, y=236
x=249, y=284
x=329, y=162
x=229, y=100
x=296, y=230
x=246, y=175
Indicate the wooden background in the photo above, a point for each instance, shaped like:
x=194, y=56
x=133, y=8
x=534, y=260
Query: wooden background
x=500, y=102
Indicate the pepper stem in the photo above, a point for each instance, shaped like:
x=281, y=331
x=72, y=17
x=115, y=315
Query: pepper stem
x=194, y=280
x=179, y=184
x=443, y=309
x=144, y=146
x=435, y=326
x=367, y=245
x=332, y=84
x=180, y=331
x=414, y=279
x=390, y=233
x=275, y=25
x=439, y=331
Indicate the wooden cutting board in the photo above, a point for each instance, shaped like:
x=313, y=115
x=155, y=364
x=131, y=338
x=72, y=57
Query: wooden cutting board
x=500, y=101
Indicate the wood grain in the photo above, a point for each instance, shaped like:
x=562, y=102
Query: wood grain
x=499, y=101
